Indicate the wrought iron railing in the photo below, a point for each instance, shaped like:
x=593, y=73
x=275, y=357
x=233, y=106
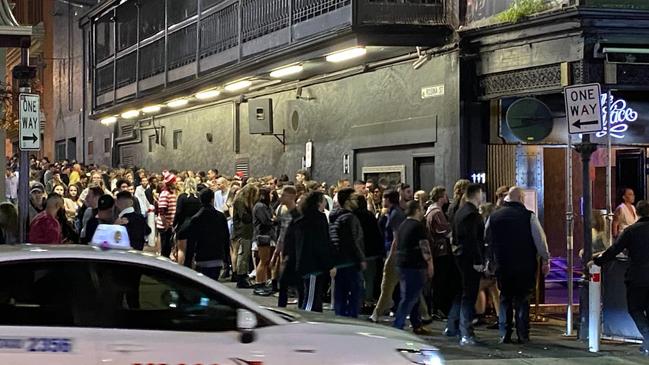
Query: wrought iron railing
x=229, y=24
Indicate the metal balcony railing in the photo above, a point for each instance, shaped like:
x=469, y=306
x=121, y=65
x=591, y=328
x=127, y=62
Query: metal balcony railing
x=230, y=26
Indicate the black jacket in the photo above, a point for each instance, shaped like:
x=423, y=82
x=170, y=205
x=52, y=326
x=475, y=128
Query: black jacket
x=186, y=208
x=208, y=237
x=138, y=229
x=347, y=238
x=510, y=240
x=468, y=233
x=262, y=220
x=634, y=239
x=372, y=237
x=308, y=247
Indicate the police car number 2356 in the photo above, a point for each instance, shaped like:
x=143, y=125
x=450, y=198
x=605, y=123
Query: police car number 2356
x=36, y=344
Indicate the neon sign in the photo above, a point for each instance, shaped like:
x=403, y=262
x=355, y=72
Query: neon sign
x=620, y=116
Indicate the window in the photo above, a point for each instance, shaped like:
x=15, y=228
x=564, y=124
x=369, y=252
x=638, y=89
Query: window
x=91, y=148
x=107, y=145
x=137, y=297
x=47, y=293
x=126, y=18
x=152, y=18
x=178, y=139
x=59, y=150
x=151, y=142
x=206, y=4
x=104, y=38
x=179, y=10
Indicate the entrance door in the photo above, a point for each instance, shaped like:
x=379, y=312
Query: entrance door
x=424, y=173
x=630, y=172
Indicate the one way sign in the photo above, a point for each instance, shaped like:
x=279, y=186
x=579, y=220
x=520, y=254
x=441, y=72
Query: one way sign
x=30, y=122
x=583, y=108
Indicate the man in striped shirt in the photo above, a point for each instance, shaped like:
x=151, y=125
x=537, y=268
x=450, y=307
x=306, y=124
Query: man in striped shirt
x=166, y=212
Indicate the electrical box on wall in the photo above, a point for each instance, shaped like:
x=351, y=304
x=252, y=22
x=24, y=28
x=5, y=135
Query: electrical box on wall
x=260, y=116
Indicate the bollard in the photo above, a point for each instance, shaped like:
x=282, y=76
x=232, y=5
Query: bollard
x=595, y=308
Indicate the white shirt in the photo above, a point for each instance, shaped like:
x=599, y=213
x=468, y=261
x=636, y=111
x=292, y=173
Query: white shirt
x=220, y=198
x=12, y=186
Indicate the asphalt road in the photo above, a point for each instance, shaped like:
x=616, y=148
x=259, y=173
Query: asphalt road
x=548, y=345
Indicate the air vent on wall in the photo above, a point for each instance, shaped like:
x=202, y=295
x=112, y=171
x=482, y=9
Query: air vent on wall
x=242, y=165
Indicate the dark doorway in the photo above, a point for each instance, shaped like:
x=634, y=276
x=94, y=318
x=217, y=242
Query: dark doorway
x=424, y=173
x=630, y=172
x=72, y=149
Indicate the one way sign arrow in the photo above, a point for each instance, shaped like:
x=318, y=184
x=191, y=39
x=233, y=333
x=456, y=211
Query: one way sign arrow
x=579, y=123
x=33, y=138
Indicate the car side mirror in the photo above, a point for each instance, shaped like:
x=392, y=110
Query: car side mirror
x=246, y=323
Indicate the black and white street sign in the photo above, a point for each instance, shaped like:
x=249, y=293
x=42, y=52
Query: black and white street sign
x=583, y=108
x=30, y=122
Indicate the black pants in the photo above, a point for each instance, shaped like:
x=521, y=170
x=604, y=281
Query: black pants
x=165, y=242
x=446, y=284
x=211, y=272
x=286, y=281
x=314, y=291
x=515, y=293
x=462, y=311
x=638, y=304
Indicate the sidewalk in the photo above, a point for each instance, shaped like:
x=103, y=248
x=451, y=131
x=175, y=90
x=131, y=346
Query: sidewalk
x=548, y=346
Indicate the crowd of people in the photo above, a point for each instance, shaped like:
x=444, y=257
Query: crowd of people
x=305, y=241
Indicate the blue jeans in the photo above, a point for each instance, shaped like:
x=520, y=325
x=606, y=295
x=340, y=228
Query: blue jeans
x=347, y=292
x=411, y=283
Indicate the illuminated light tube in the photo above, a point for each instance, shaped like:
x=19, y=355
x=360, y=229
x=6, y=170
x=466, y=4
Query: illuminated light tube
x=346, y=54
x=207, y=94
x=108, y=120
x=151, y=109
x=238, y=85
x=286, y=71
x=177, y=103
x=130, y=114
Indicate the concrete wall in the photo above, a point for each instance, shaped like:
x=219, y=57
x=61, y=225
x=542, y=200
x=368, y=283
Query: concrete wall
x=66, y=70
x=381, y=110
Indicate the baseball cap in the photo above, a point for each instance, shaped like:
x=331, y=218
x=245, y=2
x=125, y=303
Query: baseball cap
x=105, y=202
x=37, y=187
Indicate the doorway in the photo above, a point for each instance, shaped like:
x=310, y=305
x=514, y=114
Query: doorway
x=424, y=168
x=630, y=172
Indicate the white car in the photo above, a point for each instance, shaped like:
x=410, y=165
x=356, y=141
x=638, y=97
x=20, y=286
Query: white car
x=80, y=305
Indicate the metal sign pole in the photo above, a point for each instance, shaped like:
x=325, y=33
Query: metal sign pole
x=609, y=165
x=569, y=239
x=23, y=176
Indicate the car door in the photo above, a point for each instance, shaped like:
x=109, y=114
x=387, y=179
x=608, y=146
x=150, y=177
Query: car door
x=41, y=305
x=155, y=316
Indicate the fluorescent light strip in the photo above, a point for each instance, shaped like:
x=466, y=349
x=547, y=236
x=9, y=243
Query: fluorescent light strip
x=108, y=120
x=130, y=114
x=151, y=109
x=286, y=71
x=177, y=103
x=207, y=94
x=238, y=85
x=346, y=54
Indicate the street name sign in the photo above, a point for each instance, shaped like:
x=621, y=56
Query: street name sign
x=30, y=122
x=584, y=108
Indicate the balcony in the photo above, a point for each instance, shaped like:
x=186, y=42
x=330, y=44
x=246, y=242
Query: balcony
x=136, y=51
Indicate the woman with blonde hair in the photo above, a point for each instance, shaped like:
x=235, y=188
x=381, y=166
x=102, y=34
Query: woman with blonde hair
x=458, y=198
x=187, y=205
x=8, y=224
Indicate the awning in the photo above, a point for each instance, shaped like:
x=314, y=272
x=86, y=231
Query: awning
x=12, y=34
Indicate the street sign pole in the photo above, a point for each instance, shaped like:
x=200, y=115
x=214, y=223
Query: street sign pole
x=23, y=176
x=569, y=239
x=584, y=116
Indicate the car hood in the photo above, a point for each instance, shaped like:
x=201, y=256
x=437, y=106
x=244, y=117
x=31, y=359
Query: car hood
x=331, y=325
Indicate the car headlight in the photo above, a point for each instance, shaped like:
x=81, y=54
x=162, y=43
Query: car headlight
x=423, y=357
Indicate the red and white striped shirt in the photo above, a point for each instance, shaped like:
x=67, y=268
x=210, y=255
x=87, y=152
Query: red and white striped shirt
x=166, y=209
